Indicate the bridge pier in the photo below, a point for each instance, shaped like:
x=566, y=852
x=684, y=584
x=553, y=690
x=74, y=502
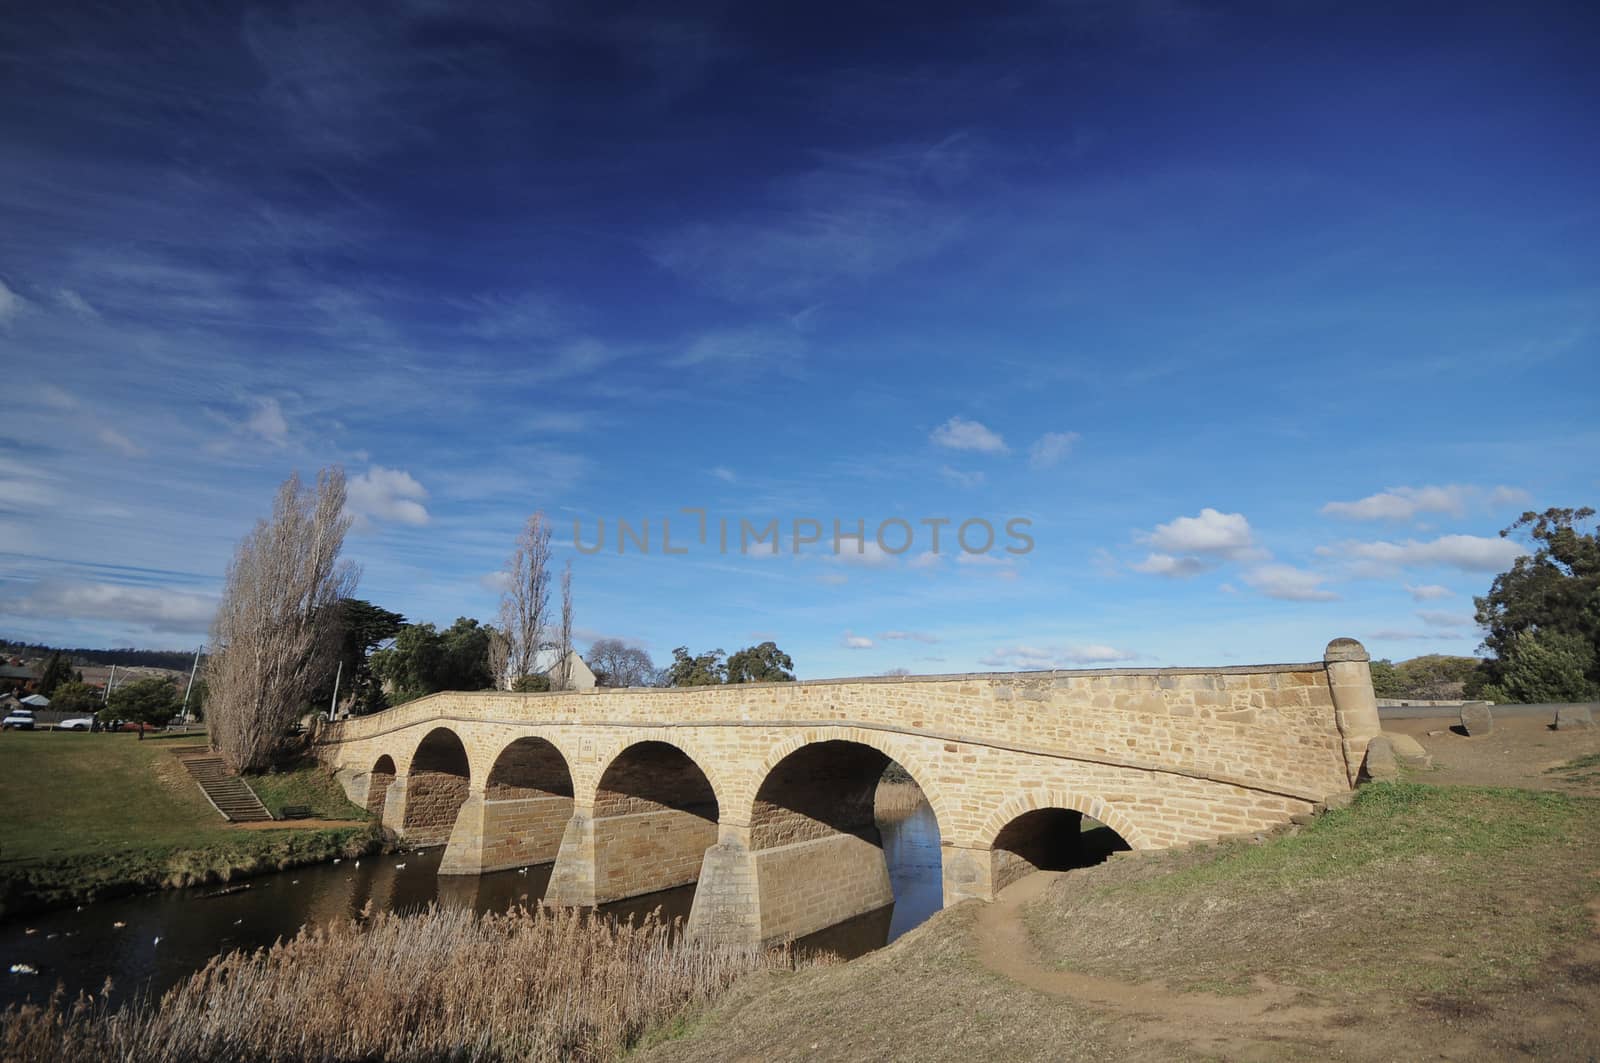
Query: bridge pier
x=498, y=834
x=393, y=816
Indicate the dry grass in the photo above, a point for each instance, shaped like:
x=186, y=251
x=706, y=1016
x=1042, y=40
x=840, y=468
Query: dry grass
x=1474, y=890
x=527, y=985
x=896, y=801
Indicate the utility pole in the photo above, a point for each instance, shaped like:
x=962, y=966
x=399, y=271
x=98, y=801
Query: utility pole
x=110, y=681
x=195, y=668
x=333, y=706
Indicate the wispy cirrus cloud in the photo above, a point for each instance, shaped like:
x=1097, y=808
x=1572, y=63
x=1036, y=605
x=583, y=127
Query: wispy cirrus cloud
x=1467, y=553
x=1027, y=658
x=1408, y=503
x=1051, y=449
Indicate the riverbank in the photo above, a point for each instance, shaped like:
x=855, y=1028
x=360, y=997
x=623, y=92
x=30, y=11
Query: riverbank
x=1440, y=921
x=91, y=816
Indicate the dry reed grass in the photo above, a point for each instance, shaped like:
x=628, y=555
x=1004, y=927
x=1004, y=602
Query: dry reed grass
x=896, y=801
x=445, y=984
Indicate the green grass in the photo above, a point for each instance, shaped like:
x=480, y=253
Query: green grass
x=1389, y=822
x=308, y=785
x=88, y=815
x=1580, y=769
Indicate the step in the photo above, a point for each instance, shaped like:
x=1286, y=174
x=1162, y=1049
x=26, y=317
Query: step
x=230, y=795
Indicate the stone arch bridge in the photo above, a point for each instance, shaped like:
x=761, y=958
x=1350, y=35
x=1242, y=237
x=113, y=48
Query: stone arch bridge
x=763, y=794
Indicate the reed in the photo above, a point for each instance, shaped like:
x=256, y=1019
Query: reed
x=896, y=801
x=443, y=984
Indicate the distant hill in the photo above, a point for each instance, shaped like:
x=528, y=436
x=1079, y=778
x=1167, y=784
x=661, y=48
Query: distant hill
x=176, y=660
x=1433, y=676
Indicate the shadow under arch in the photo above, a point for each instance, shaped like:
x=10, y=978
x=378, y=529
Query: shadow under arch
x=907, y=758
x=436, y=787
x=378, y=780
x=655, y=814
x=1053, y=831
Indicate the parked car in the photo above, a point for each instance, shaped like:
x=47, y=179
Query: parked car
x=129, y=725
x=77, y=723
x=21, y=719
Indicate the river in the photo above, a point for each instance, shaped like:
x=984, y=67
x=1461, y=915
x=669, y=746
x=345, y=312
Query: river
x=149, y=942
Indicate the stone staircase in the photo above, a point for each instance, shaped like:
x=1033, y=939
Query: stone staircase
x=227, y=793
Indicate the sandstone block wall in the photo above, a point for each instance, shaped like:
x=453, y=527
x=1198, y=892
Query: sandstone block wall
x=814, y=884
x=648, y=851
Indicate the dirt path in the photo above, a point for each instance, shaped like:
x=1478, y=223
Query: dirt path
x=1206, y=1021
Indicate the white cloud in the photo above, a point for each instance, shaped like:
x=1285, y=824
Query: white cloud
x=76, y=303
x=725, y=474
x=740, y=345
x=499, y=581
x=1212, y=533
x=57, y=398
x=1404, y=503
x=1428, y=592
x=1172, y=567
x=555, y=421
x=1469, y=553
x=833, y=579
x=869, y=554
x=386, y=494
x=1509, y=496
x=1435, y=618
x=997, y=567
x=1407, y=503
x=913, y=636
x=120, y=443
x=1050, y=448
x=855, y=642
x=268, y=423
x=961, y=479
x=958, y=433
x=1035, y=658
x=1289, y=584
x=154, y=608
x=11, y=304
x=926, y=559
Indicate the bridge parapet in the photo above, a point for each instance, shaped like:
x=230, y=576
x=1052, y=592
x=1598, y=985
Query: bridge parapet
x=1272, y=726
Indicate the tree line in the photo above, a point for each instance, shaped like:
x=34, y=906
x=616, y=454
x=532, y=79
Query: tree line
x=292, y=638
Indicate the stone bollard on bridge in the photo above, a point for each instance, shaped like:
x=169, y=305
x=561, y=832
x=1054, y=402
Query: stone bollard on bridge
x=1355, y=707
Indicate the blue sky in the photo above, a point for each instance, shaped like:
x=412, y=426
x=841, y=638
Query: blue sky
x=1266, y=316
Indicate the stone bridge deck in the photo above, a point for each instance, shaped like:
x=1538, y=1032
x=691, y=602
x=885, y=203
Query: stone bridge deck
x=763, y=793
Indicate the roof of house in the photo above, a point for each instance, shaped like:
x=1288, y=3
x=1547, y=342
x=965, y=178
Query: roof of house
x=16, y=671
x=38, y=701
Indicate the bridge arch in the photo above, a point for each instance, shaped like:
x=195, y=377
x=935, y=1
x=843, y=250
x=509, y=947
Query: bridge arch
x=1020, y=822
x=900, y=751
x=437, y=782
x=655, y=813
x=815, y=841
x=528, y=767
x=378, y=780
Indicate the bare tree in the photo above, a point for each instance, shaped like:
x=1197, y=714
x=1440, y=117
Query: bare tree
x=563, y=668
x=499, y=659
x=277, y=630
x=526, y=599
x=616, y=664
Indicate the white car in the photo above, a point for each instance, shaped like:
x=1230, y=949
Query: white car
x=21, y=719
x=77, y=723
